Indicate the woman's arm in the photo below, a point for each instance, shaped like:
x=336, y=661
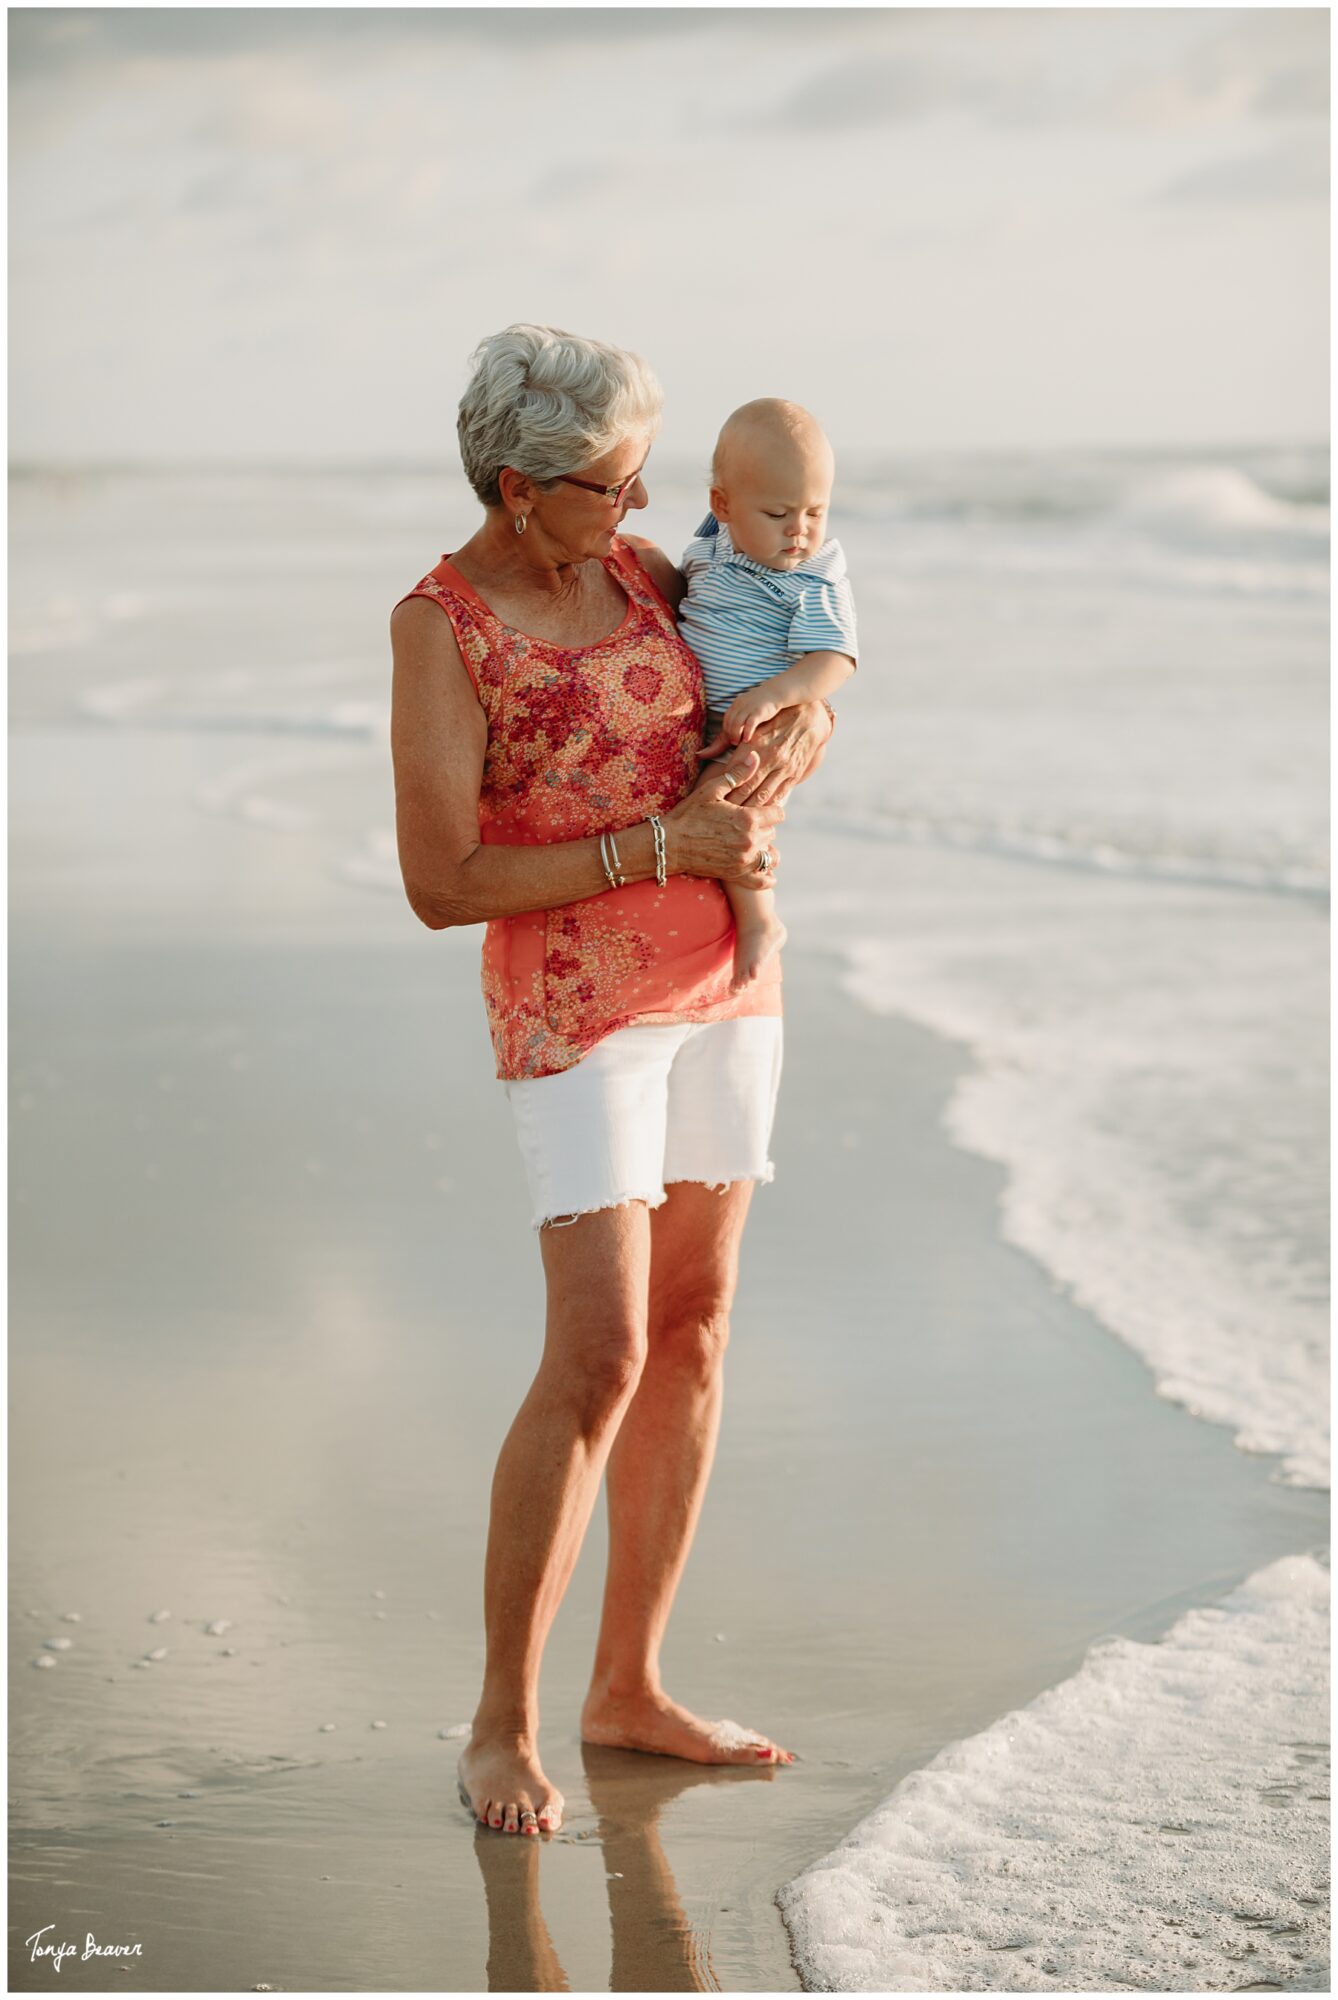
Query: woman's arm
x=438, y=738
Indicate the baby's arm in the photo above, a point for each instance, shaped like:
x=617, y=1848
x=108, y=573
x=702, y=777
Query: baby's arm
x=812, y=676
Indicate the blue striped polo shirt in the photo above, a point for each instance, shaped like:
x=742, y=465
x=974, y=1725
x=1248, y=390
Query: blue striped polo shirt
x=746, y=622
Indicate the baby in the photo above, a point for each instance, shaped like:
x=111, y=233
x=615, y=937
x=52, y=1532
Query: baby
x=767, y=610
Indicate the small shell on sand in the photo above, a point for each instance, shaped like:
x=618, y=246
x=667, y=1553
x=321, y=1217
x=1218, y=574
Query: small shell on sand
x=378, y=1593
x=326, y=1727
x=58, y=1645
x=159, y=1617
x=378, y=1725
x=70, y=1617
x=158, y=1653
x=218, y=1628
x=720, y=1638
x=45, y=1660
x=229, y=1652
x=456, y=1729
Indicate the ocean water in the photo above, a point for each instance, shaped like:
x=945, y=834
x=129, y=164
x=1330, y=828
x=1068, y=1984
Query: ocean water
x=1075, y=816
x=1115, y=680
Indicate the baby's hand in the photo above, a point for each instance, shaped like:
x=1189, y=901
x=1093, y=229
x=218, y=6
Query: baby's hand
x=747, y=712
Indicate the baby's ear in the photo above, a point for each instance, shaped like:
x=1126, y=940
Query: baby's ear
x=719, y=503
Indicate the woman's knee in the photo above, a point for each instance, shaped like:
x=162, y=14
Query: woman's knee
x=595, y=1347
x=595, y=1367
x=692, y=1332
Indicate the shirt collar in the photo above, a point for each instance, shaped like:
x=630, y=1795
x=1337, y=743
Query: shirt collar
x=822, y=562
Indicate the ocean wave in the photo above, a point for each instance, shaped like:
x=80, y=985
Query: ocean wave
x=1161, y=1121
x=1107, y=556
x=160, y=703
x=1251, y=491
x=58, y=629
x=365, y=720
x=233, y=794
x=1063, y=851
x=1120, y=564
x=67, y=622
x=1157, y=1822
x=375, y=865
x=119, y=701
x=1213, y=500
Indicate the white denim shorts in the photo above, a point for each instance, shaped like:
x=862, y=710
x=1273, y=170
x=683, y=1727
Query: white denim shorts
x=691, y=1101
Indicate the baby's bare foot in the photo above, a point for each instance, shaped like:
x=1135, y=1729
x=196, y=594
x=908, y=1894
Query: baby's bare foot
x=754, y=941
x=649, y=1720
x=503, y=1784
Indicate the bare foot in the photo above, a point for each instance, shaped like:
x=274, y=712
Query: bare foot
x=651, y=1721
x=501, y=1778
x=754, y=943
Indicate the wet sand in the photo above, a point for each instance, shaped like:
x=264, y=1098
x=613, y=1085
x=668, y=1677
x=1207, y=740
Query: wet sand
x=274, y=1301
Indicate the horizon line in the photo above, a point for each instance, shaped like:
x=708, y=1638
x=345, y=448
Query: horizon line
x=26, y=464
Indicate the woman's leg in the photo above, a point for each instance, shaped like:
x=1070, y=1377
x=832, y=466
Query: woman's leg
x=657, y=1475
x=543, y=1493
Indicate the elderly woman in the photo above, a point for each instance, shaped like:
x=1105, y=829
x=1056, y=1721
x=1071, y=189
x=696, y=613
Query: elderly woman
x=547, y=733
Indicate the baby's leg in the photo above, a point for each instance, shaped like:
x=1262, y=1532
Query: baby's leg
x=758, y=932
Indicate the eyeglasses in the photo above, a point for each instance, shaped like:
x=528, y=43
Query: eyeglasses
x=613, y=494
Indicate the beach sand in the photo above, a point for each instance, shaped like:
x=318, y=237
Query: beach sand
x=274, y=1301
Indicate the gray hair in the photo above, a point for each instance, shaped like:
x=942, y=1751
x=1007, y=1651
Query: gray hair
x=546, y=402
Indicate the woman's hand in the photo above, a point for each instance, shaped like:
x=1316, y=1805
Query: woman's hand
x=790, y=749
x=706, y=834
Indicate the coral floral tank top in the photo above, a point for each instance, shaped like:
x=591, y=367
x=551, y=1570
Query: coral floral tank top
x=586, y=740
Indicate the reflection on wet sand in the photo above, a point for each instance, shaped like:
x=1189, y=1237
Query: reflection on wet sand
x=656, y=1949
x=522, y=1957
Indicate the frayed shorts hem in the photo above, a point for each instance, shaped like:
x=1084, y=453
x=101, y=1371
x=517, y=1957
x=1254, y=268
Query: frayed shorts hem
x=565, y=1218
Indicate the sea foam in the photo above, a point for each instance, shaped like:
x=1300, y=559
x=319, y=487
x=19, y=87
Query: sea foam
x=1158, y=1822
x=1162, y=1127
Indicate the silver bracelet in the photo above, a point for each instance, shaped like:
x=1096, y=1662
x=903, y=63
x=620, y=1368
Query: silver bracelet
x=661, y=851
x=612, y=867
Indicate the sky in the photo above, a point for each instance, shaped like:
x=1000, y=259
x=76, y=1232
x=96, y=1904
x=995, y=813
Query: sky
x=274, y=235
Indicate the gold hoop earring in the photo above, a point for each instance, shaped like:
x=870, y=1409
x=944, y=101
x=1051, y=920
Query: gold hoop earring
x=522, y=522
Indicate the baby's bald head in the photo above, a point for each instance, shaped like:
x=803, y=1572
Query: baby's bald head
x=770, y=428
x=771, y=481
